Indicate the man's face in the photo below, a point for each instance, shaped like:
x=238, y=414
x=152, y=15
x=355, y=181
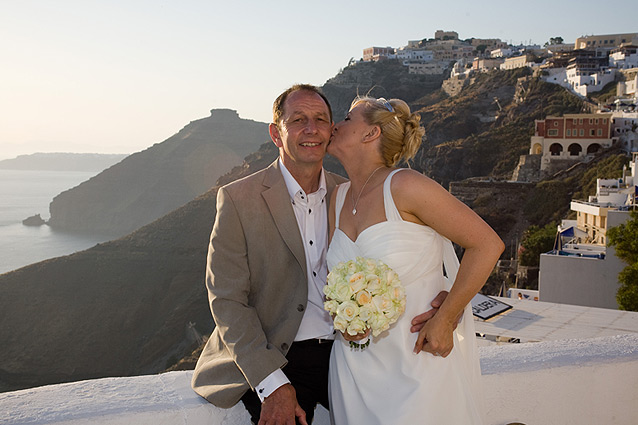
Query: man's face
x=303, y=132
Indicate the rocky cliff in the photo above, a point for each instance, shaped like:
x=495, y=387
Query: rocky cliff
x=151, y=183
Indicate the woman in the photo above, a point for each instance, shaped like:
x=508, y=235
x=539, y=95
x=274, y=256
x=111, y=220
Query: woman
x=406, y=220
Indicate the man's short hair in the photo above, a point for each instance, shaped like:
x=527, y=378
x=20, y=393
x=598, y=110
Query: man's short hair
x=278, y=106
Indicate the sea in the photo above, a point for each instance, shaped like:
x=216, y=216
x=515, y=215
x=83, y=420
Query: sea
x=24, y=193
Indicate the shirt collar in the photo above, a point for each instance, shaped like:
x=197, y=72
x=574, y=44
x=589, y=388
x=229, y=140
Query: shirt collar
x=294, y=187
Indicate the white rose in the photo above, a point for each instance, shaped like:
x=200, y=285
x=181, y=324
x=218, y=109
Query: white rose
x=348, y=310
x=356, y=326
x=351, y=266
x=369, y=265
x=363, y=297
x=357, y=282
x=392, y=315
x=375, y=286
x=365, y=313
x=340, y=323
x=342, y=293
x=331, y=306
x=391, y=278
x=397, y=293
x=378, y=323
x=328, y=291
x=382, y=302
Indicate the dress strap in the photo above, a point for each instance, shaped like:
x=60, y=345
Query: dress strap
x=342, y=189
x=391, y=211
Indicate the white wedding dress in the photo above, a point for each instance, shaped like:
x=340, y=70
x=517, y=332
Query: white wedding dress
x=386, y=383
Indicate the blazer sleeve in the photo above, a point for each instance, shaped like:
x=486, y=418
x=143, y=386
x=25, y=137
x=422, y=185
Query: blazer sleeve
x=228, y=283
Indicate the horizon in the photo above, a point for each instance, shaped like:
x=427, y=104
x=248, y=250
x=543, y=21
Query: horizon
x=118, y=77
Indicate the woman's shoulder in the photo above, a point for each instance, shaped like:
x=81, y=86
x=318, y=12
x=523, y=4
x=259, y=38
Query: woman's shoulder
x=406, y=178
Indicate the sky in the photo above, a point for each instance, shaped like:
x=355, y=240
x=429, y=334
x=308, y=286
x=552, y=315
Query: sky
x=117, y=76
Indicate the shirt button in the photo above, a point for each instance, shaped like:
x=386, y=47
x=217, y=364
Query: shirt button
x=314, y=274
x=300, y=307
x=310, y=242
x=284, y=346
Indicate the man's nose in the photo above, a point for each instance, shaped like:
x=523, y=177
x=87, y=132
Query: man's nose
x=311, y=126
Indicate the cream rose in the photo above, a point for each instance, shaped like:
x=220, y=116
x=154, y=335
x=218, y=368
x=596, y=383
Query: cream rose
x=363, y=297
x=356, y=326
x=348, y=310
x=340, y=323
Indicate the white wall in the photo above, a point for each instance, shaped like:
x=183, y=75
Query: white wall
x=589, y=282
x=562, y=382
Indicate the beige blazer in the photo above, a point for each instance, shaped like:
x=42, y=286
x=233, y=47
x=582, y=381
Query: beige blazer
x=257, y=285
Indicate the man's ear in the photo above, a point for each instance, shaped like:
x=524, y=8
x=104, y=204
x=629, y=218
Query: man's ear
x=373, y=134
x=275, y=135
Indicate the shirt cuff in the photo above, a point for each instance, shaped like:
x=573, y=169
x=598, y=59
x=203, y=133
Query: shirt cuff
x=270, y=384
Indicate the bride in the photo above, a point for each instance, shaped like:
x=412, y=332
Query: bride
x=406, y=220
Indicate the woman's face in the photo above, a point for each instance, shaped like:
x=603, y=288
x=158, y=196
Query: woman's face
x=348, y=134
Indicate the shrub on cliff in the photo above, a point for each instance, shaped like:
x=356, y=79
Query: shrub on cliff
x=536, y=241
x=624, y=238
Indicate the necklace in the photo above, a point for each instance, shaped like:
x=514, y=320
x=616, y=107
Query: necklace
x=354, y=203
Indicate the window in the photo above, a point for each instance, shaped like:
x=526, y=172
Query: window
x=604, y=120
x=552, y=132
x=555, y=123
x=591, y=120
x=582, y=132
x=580, y=120
x=575, y=121
x=600, y=132
x=591, y=132
x=569, y=132
x=596, y=120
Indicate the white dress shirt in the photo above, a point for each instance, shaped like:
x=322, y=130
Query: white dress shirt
x=311, y=212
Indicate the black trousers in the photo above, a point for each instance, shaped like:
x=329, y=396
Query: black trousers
x=307, y=370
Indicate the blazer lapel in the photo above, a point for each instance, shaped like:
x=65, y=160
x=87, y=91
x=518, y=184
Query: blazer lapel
x=331, y=183
x=278, y=200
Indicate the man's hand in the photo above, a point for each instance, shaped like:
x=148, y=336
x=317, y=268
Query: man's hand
x=419, y=321
x=281, y=408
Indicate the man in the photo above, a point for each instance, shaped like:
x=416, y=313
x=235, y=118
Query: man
x=265, y=273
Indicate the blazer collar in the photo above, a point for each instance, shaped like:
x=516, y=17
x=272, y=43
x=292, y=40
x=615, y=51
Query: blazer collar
x=278, y=200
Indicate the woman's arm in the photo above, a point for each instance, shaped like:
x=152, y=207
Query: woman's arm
x=421, y=200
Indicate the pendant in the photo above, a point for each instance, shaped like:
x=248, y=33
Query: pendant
x=354, y=211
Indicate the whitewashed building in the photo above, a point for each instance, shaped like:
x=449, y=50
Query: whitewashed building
x=581, y=269
x=624, y=126
x=624, y=57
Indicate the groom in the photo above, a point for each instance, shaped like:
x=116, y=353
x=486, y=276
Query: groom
x=265, y=272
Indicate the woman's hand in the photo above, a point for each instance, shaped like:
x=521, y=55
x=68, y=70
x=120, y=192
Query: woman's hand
x=436, y=337
x=357, y=337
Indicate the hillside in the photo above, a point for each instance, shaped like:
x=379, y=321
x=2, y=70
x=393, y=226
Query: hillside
x=387, y=79
x=484, y=130
x=61, y=161
x=120, y=308
x=151, y=183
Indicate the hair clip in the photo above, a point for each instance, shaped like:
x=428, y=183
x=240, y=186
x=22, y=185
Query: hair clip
x=386, y=104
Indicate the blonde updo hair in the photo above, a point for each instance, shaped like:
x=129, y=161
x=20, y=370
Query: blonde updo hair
x=401, y=131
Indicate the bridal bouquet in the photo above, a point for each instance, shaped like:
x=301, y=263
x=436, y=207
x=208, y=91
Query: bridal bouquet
x=364, y=293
